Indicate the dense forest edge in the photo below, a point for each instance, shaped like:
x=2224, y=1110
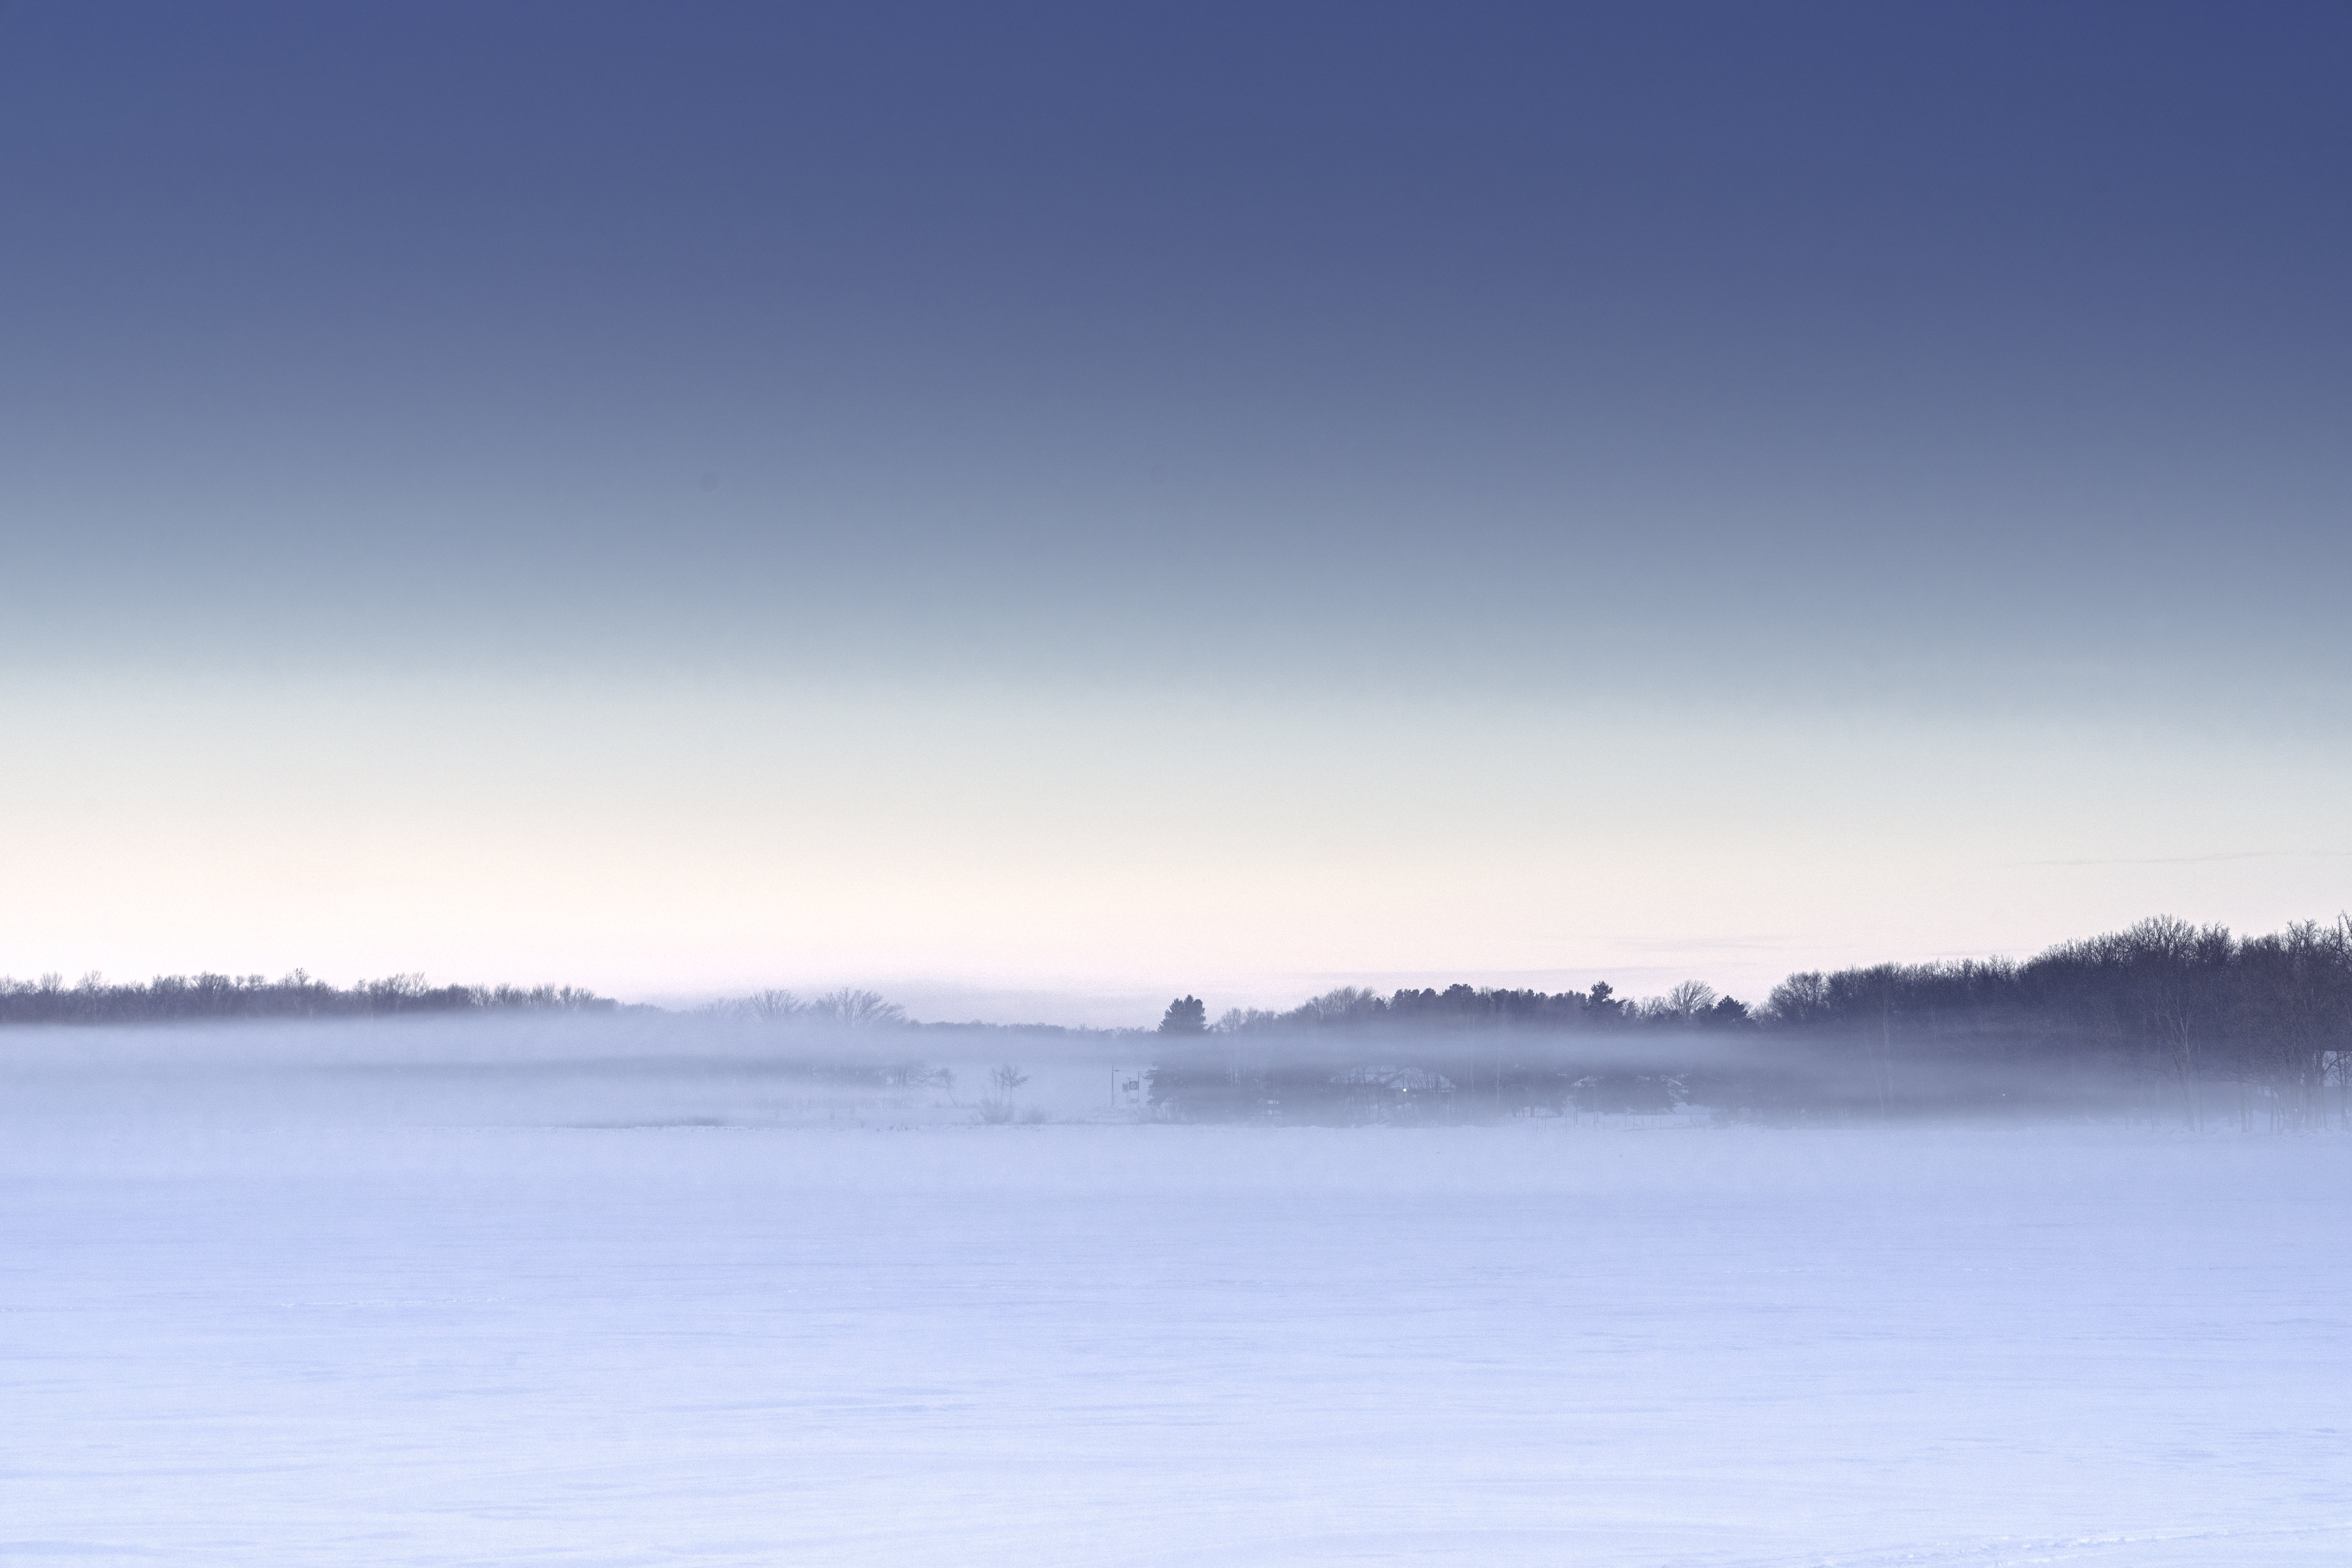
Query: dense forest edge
x=2176, y=1020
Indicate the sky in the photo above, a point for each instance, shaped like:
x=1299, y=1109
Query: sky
x=1035, y=509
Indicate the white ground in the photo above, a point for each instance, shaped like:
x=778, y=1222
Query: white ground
x=307, y=1334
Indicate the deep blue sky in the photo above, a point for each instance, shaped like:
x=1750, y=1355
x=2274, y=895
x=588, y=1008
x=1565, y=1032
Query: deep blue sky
x=1804, y=369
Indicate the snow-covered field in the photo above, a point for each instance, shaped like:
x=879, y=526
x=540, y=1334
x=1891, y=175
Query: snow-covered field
x=283, y=1318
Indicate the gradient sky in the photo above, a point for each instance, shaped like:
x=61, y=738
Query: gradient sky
x=1035, y=508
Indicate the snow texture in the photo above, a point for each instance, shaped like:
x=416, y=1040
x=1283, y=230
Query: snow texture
x=274, y=1314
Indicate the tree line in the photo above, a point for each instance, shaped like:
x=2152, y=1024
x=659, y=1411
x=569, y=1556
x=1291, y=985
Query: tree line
x=2237, y=1027
x=2172, y=1019
x=2191, y=1022
x=186, y=998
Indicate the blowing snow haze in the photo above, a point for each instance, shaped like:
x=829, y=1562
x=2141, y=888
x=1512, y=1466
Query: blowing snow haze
x=1278, y=784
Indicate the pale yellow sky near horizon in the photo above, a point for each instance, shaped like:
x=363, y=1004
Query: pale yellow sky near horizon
x=1070, y=856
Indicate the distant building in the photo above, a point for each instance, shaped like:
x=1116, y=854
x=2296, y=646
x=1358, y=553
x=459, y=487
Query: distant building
x=1131, y=1089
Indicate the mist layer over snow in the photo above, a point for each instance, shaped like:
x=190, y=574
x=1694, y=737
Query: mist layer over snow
x=413, y=1297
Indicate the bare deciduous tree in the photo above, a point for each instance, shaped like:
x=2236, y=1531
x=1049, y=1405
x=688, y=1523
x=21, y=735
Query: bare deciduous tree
x=857, y=1009
x=774, y=1007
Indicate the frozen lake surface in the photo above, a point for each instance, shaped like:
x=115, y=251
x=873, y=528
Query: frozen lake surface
x=304, y=1337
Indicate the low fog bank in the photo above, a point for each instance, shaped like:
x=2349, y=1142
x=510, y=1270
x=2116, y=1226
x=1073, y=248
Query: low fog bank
x=1789, y=1077
x=718, y=1069
x=2162, y=1023
x=621, y=1069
